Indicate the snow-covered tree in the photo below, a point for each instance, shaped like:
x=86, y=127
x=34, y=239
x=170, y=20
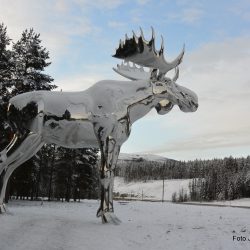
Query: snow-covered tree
x=21, y=70
x=30, y=59
x=26, y=62
x=6, y=65
x=6, y=68
x=54, y=170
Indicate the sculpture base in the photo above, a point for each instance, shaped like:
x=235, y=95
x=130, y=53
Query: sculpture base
x=2, y=208
x=110, y=217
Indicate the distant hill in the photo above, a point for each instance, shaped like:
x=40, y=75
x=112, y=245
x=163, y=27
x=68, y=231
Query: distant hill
x=123, y=157
x=138, y=166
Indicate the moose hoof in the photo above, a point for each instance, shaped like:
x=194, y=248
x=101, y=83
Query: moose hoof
x=110, y=217
x=2, y=208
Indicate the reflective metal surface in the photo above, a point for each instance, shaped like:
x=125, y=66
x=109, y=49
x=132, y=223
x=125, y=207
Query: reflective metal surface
x=99, y=117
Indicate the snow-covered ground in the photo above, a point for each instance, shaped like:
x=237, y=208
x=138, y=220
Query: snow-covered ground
x=145, y=225
x=150, y=189
x=244, y=202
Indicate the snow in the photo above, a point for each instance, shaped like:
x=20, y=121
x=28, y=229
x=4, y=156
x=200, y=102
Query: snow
x=151, y=189
x=145, y=226
x=244, y=202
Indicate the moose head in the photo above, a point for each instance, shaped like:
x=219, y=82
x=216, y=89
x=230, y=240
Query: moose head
x=143, y=53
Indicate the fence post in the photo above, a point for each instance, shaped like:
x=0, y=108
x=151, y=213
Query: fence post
x=163, y=188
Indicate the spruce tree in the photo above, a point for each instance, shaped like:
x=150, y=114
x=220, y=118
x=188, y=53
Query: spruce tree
x=86, y=180
x=76, y=174
x=6, y=69
x=6, y=65
x=30, y=59
x=22, y=70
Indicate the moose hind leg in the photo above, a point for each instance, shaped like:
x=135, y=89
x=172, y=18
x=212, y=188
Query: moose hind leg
x=30, y=146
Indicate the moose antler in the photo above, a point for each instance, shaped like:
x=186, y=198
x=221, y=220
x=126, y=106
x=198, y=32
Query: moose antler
x=132, y=72
x=142, y=52
x=135, y=73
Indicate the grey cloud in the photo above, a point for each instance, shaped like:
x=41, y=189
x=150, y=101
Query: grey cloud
x=232, y=138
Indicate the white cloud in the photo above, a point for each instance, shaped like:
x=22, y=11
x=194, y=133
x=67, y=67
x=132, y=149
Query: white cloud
x=77, y=82
x=189, y=15
x=54, y=20
x=100, y=4
x=93, y=74
x=116, y=24
x=241, y=9
x=143, y=2
x=219, y=75
x=62, y=6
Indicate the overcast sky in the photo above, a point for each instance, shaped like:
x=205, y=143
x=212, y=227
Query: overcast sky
x=82, y=35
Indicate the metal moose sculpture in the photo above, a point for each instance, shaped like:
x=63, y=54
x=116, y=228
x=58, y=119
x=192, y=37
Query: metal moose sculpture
x=99, y=117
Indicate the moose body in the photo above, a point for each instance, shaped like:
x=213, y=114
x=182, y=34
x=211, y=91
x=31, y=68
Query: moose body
x=99, y=117
x=72, y=119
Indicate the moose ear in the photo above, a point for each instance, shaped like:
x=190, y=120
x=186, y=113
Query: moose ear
x=163, y=107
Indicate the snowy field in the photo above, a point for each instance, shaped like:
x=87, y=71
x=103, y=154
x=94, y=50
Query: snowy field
x=145, y=225
x=151, y=189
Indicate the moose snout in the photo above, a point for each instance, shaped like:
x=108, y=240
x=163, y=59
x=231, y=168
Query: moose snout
x=186, y=105
x=194, y=105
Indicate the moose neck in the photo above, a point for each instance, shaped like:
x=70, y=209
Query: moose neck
x=121, y=98
x=142, y=104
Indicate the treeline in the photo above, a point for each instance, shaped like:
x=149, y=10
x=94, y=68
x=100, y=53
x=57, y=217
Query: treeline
x=217, y=179
x=143, y=170
x=56, y=173
x=225, y=179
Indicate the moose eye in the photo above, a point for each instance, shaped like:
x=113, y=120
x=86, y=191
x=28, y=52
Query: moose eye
x=158, y=84
x=182, y=94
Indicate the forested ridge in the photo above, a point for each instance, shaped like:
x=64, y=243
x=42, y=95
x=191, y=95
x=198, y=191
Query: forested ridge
x=217, y=179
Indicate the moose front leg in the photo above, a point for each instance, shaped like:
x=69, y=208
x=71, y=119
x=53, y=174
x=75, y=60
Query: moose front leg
x=109, y=155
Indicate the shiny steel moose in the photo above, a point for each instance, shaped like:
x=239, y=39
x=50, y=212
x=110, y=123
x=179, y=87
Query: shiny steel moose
x=99, y=117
